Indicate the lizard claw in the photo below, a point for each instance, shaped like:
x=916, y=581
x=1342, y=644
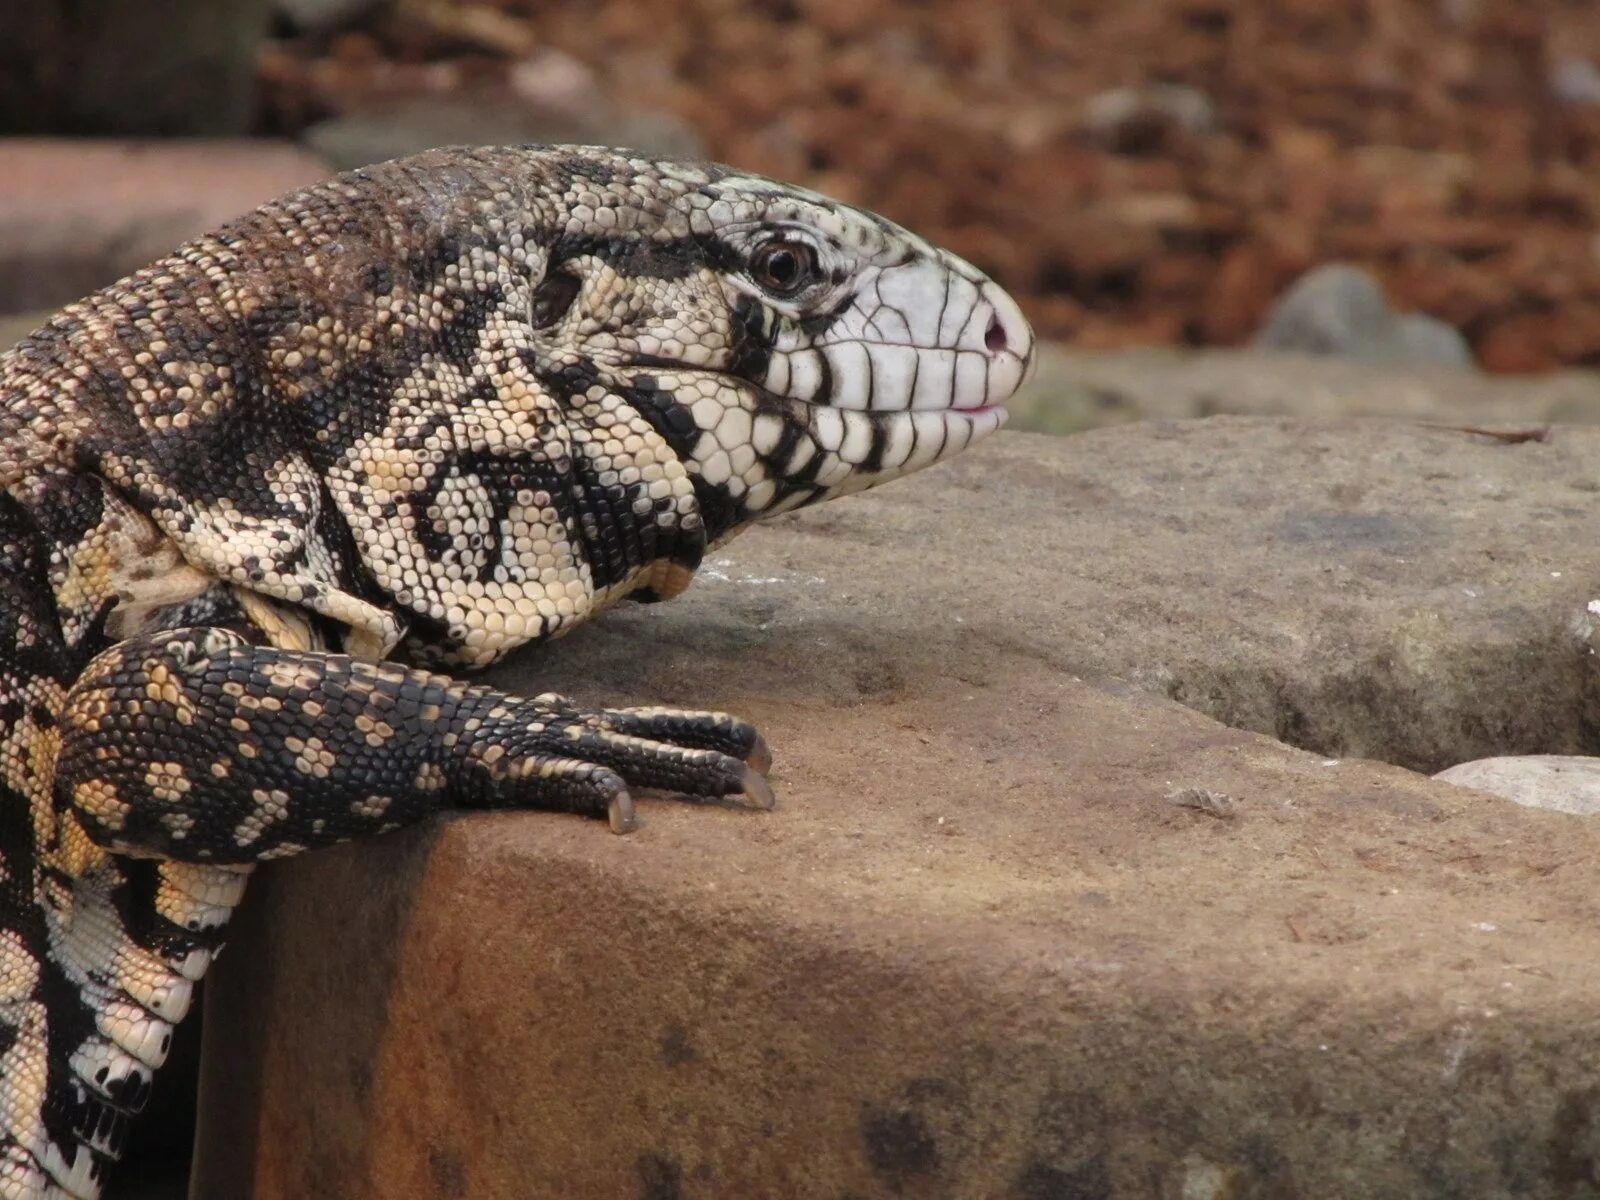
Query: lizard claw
x=620, y=813
x=759, y=756
x=603, y=753
x=758, y=789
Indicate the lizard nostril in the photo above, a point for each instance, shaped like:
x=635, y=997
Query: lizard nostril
x=995, y=336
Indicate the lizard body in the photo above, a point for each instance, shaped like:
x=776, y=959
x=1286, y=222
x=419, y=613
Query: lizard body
x=437, y=408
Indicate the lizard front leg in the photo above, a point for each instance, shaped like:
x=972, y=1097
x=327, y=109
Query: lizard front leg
x=187, y=756
x=198, y=746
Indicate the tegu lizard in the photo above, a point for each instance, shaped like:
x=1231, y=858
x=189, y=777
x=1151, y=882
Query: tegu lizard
x=438, y=408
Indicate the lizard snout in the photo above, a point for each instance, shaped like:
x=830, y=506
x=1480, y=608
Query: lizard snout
x=1008, y=342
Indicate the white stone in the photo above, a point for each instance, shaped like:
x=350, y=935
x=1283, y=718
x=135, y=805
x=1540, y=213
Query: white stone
x=1568, y=783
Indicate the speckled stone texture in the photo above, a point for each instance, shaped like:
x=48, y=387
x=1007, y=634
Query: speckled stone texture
x=1022, y=925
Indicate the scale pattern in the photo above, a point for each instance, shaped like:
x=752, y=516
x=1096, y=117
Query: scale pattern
x=431, y=410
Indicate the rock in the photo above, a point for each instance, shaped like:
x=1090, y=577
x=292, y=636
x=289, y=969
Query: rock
x=360, y=138
x=1566, y=783
x=988, y=944
x=1147, y=118
x=17, y=326
x=1340, y=310
x=357, y=139
x=76, y=215
x=559, y=85
x=1074, y=390
x=1420, y=338
x=1576, y=81
x=1334, y=309
x=659, y=133
x=548, y=97
x=476, y=27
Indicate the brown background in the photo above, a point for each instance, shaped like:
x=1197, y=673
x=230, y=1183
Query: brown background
x=1428, y=139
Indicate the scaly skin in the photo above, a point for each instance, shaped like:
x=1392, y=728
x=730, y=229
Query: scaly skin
x=448, y=405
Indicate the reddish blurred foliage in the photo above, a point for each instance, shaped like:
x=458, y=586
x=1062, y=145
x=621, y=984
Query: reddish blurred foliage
x=1152, y=170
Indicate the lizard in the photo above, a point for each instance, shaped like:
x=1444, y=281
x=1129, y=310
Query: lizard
x=262, y=497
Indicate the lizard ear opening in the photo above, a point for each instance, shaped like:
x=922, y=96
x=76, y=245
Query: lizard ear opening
x=553, y=298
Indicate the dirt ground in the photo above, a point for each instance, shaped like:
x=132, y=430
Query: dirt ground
x=1151, y=171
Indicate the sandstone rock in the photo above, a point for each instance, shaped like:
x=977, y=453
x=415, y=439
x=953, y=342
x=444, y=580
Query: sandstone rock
x=985, y=947
x=1341, y=310
x=1568, y=783
x=17, y=326
x=1075, y=390
x=76, y=215
x=356, y=139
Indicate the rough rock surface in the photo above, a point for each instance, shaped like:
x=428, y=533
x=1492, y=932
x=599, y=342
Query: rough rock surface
x=1568, y=783
x=77, y=215
x=1021, y=926
x=1075, y=390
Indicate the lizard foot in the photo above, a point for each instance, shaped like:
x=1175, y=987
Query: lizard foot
x=589, y=760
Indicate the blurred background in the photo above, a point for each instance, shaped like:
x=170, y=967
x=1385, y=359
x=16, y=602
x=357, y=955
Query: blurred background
x=1150, y=172
x=1308, y=206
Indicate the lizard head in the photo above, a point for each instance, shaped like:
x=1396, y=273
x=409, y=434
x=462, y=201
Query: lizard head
x=605, y=363
x=787, y=346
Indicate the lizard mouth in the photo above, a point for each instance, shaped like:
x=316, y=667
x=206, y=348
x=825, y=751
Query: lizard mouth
x=884, y=378
x=972, y=362
x=875, y=445
x=772, y=450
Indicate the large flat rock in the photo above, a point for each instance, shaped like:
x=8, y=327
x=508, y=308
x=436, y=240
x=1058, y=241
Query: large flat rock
x=1077, y=389
x=1023, y=925
x=77, y=214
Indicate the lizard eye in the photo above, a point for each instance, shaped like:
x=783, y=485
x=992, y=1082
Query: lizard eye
x=783, y=268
